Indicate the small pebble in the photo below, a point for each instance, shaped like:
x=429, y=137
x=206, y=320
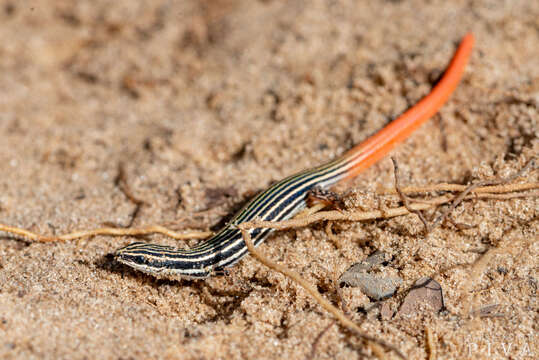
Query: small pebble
x=425, y=295
x=386, y=313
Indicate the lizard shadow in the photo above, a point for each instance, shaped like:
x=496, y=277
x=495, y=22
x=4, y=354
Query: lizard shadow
x=225, y=302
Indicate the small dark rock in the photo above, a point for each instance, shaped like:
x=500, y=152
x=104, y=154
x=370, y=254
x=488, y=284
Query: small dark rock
x=216, y=196
x=426, y=294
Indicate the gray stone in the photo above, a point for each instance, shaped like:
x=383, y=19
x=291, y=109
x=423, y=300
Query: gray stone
x=375, y=286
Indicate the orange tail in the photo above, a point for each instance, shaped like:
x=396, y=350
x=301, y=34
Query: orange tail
x=378, y=145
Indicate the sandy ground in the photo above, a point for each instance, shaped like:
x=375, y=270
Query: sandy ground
x=208, y=102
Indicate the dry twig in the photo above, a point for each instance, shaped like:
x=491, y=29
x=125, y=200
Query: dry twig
x=469, y=189
x=430, y=344
x=443, y=187
x=405, y=199
x=317, y=340
x=153, y=229
x=121, y=182
x=293, y=223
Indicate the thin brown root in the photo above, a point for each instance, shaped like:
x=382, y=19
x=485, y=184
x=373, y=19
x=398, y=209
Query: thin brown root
x=310, y=210
x=506, y=196
x=378, y=351
x=441, y=125
x=430, y=344
x=334, y=239
x=317, y=340
x=312, y=216
x=154, y=229
x=459, y=226
x=405, y=199
x=370, y=215
x=499, y=189
x=338, y=314
x=121, y=182
x=462, y=196
x=337, y=215
x=20, y=232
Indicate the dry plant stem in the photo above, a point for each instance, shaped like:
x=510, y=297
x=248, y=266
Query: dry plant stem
x=310, y=210
x=338, y=314
x=317, y=340
x=530, y=194
x=462, y=196
x=430, y=344
x=499, y=189
x=121, y=182
x=335, y=239
x=460, y=226
x=338, y=215
x=325, y=215
x=155, y=229
x=378, y=351
x=370, y=215
x=405, y=199
x=20, y=232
